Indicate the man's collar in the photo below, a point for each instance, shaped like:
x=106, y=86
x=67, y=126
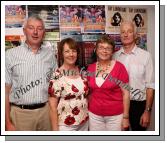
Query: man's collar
x=29, y=49
x=134, y=51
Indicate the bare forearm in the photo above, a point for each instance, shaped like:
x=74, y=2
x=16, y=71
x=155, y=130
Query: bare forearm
x=145, y=118
x=7, y=111
x=53, y=112
x=126, y=104
x=149, y=97
x=54, y=119
x=8, y=123
x=7, y=104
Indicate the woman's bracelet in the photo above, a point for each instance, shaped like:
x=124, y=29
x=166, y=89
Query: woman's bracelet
x=125, y=117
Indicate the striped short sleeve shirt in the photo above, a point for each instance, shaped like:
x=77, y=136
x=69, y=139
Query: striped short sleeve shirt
x=28, y=73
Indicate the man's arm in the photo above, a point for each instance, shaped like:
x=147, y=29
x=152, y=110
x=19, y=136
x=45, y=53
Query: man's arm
x=149, y=98
x=149, y=78
x=8, y=124
x=145, y=118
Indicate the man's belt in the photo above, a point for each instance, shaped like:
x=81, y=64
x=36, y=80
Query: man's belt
x=31, y=106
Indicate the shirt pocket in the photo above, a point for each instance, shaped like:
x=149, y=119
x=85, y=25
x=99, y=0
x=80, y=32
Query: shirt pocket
x=136, y=70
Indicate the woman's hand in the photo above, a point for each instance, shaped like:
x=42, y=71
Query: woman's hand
x=125, y=124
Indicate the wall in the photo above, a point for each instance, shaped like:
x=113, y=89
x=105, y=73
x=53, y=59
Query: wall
x=150, y=43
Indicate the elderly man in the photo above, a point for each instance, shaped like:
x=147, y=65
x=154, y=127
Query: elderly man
x=139, y=65
x=26, y=85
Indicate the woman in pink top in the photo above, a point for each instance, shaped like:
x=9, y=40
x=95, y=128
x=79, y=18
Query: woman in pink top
x=109, y=97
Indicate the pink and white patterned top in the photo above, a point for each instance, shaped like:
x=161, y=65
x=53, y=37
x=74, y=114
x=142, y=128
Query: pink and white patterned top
x=72, y=93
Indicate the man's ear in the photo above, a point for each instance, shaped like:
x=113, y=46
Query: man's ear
x=24, y=31
x=136, y=37
x=44, y=34
x=94, y=50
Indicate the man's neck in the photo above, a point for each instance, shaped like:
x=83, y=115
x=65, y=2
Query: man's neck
x=33, y=47
x=128, y=48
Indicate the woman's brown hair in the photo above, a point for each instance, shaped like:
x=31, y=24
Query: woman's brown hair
x=103, y=39
x=72, y=45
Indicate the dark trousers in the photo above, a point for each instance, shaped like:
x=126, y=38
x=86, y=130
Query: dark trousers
x=136, y=110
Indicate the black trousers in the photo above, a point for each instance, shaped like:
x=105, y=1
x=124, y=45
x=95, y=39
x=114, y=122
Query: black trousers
x=136, y=110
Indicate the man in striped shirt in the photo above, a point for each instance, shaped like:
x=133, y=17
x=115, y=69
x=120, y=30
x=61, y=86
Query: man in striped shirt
x=26, y=84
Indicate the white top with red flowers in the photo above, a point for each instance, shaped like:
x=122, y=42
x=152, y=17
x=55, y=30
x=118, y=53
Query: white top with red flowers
x=73, y=106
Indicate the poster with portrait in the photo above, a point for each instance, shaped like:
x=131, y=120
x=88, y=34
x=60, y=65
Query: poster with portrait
x=114, y=16
x=94, y=19
x=49, y=14
x=139, y=17
x=70, y=19
x=14, y=15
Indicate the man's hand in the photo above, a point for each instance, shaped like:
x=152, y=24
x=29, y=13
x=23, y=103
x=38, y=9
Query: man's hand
x=145, y=119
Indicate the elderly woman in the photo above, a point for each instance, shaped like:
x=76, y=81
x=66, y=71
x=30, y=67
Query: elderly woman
x=109, y=101
x=68, y=91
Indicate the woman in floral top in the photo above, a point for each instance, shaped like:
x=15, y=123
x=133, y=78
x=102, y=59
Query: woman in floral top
x=68, y=91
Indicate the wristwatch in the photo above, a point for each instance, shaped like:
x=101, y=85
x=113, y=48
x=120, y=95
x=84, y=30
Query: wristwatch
x=148, y=109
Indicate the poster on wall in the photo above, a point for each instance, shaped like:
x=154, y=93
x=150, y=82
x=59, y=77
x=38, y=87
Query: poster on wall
x=53, y=45
x=12, y=41
x=70, y=19
x=49, y=14
x=139, y=17
x=94, y=19
x=142, y=40
x=76, y=37
x=50, y=40
x=88, y=51
x=14, y=15
x=52, y=36
x=90, y=37
x=117, y=41
x=114, y=16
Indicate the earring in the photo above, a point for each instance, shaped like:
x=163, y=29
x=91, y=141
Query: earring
x=94, y=50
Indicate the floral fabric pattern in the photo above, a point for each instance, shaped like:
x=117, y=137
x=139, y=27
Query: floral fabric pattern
x=73, y=106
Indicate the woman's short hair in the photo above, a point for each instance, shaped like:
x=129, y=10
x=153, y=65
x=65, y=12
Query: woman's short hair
x=103, y=39
x=72, y=45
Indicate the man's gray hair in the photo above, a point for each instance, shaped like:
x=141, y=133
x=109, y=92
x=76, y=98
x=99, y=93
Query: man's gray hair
x=36, y=17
